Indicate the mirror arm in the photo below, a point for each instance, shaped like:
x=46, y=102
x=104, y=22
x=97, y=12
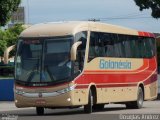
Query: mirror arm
x=6, y=53
x=74, y=50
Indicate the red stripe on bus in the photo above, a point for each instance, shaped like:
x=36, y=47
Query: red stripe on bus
x=81, y=86
x=116, y=85
x=140, y=33
x=150, y=80
x=152, y=35
x=107, y=85
x=146, y=34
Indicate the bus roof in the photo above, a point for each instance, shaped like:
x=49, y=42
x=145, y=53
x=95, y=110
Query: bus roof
x=70, y=28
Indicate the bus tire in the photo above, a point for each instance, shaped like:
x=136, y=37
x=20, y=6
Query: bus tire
x=40, y=110
x=88, y=107
x=98, y=106
x=139, y=102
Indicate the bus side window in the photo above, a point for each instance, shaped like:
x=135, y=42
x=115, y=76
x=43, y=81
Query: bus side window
x=111, y=45
x=96, y=47
x=104, y=45
x=150, y=47
x=128, y=52
x=120, y=45
x=141, y=48
x=92, y=46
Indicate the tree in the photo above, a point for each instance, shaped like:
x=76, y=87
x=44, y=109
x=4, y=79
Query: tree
x=9, y=37
x=7, y=7
x=154, y=5
x=13, y=33
x=3, y=43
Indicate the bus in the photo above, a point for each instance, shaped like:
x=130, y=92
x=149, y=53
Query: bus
x=84, y=64
x=158, y=61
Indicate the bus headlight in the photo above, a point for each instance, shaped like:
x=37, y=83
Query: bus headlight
x=67, y=89
x=19, y=92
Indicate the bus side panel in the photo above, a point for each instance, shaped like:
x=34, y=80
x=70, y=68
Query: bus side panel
x=116, y=94
x=151, y=91
x=80, y=96
x=151, y=83
x=122, y=85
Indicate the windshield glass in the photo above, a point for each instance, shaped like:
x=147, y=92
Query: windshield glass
x=43, y=60
x=57, y=64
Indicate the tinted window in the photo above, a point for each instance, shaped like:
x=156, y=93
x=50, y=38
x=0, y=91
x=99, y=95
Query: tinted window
x=93, y=47
x=105, y=45
x=150, y=47
x=109, y=42
x=56, y=47
x=118, y=45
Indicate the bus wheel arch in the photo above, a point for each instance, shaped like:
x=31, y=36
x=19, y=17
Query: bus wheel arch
x=138, y=103
x=94, y=92
x=92, y=99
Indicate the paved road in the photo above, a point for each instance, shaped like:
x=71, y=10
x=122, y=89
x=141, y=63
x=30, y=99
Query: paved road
x=111, y=112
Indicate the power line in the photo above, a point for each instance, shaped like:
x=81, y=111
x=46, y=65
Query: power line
x=118, y=18
x=127, y=16
x=103, y=19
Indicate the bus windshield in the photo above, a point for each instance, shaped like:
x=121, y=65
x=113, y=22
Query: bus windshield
x=43, y=61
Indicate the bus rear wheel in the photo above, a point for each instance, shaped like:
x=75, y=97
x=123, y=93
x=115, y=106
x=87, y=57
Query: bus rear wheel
x=88, y=107
x=139, y=102
x=40, y=110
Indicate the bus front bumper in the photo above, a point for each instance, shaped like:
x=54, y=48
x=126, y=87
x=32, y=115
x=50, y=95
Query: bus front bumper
x=59, y=98
x=55, y=101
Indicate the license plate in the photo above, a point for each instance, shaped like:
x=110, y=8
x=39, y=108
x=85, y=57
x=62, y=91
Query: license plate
x=41, y=101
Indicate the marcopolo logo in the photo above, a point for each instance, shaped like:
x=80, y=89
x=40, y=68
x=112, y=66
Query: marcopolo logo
x=109, y=64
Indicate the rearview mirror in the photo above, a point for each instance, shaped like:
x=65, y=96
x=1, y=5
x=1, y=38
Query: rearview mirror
x=6, y=53
x=74, y=50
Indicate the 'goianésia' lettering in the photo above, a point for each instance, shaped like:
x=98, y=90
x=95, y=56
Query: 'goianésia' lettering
x=104, y=64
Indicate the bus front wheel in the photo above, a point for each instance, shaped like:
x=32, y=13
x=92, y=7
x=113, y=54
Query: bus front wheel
x=40, y=110
x=88, y=107
x=98, y=106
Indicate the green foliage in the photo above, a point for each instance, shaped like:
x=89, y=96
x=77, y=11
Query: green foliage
x=12, y=34
x=3, y=43
x=154, y=5
x=7, y=7
x=9, y=37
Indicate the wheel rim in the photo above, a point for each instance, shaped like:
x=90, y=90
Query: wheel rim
x=140, y=98
x=91, y=100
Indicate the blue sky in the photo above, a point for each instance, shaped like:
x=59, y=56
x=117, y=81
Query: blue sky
x=119, y=12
